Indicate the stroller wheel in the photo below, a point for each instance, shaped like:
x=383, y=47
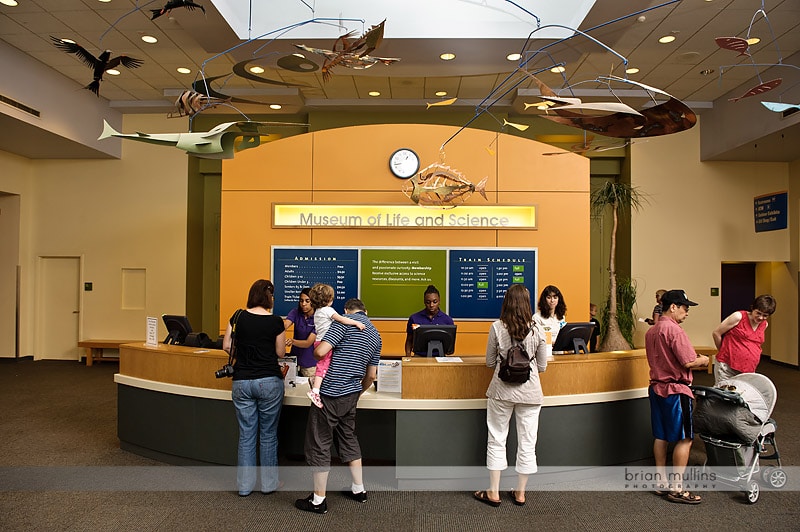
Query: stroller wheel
x=774, y=476
x=752, y=492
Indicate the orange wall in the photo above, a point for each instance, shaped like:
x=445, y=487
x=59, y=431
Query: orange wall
x=350, y=166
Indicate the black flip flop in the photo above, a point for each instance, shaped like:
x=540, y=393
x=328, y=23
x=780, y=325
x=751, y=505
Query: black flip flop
x=484, y=498
x=514, y=499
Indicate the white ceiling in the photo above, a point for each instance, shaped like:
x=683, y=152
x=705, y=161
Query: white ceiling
x=197, y=41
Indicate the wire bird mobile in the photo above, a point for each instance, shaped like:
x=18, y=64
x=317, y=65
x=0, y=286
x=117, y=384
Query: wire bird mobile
x=742, y=45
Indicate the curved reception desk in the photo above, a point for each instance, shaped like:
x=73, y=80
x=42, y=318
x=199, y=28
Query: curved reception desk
x=596, y=412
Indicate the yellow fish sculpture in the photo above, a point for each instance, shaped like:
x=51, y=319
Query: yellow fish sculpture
x=442, y=186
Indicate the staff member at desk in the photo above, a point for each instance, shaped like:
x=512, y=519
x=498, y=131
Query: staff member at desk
x=430, y=315
x=302, y=341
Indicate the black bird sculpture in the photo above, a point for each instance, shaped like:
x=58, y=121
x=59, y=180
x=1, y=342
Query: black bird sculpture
x=172, y=4
x=97, y=64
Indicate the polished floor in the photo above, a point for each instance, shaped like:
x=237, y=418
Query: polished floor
x=59, y=418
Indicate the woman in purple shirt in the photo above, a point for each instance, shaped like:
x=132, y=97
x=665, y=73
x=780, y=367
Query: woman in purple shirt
x=430, y=315
x=302, y=341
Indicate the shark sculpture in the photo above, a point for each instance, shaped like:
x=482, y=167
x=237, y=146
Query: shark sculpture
x=221, y=142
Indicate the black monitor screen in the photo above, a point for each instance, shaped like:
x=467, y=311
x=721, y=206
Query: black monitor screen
x=434, y=340
x=177, y=328
x=573, y=337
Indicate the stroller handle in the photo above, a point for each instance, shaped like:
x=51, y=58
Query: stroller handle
x=726, y=395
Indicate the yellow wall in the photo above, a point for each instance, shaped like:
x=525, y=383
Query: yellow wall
x=698, y=215
x=115, y=214
x=350, y=166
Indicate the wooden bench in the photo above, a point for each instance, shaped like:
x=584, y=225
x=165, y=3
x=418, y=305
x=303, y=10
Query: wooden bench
x=94, y=348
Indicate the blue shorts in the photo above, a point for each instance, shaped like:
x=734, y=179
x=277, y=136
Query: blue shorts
x=671, y=417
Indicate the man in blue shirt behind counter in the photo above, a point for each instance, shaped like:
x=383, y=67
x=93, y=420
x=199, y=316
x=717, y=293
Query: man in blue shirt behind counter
x=430, y=315
x=353, y=369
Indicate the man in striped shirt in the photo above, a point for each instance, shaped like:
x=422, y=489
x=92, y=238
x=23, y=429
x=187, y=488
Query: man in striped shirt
x=353, y=369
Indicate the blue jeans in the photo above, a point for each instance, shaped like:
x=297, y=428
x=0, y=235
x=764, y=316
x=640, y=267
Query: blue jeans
x=258, y=409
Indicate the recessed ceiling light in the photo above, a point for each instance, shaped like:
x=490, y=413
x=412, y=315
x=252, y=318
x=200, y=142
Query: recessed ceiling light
x=441, y=93
x=374, y=93
x=557, y=70
x=666, y=39
x=514, y=57
x=184, y=70
x=149, y=39
x=112, y=71
x=256, y=70
x=632, y=70
x=10, y=3
x=447, y=56
x=105, y=1
x=275, y=106
x=753, y=40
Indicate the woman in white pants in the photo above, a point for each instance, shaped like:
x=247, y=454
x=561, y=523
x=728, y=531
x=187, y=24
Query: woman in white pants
x=524, y=400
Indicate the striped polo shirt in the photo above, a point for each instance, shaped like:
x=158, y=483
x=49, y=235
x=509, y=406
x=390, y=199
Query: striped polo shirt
x=353, y=351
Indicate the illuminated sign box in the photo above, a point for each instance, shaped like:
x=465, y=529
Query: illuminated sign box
x=770, y=211
x=403, y=216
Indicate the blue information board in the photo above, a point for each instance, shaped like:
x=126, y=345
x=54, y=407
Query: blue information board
x=296, y=268
x=770, y=211
x=391, y=281
x=478, y=280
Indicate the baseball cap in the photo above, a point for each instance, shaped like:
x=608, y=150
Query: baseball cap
x=677, y=297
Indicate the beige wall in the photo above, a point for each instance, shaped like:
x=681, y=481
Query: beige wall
x=126, y=213
x=700, y=214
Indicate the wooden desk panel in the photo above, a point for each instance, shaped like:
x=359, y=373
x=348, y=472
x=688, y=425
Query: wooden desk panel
x=425, y=378
x=174, y=364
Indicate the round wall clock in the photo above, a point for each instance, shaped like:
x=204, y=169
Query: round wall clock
x=404, y=163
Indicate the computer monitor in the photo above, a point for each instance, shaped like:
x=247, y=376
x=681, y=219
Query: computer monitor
x=178, y=329
x=573, y=337
x=434, y=340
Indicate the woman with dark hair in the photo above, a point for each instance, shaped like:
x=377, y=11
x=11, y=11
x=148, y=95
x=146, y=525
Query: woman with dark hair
x=430, y=315
x=258, y=340
x=516, y=325
x=302, y=341
x=552, y=312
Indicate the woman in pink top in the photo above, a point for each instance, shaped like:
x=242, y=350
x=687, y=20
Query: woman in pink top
x=739, y=337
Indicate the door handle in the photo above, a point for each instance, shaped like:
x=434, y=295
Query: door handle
x=76, y=311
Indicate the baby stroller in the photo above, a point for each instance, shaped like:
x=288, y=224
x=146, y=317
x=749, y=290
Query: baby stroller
x=733, y=420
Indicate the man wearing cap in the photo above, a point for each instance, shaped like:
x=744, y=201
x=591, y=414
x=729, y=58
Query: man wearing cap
x=671, y=358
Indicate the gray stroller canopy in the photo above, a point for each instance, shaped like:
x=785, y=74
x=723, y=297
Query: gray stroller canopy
x=757, y=391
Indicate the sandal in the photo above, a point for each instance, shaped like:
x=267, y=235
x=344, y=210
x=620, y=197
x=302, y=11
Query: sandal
x=484, y=498
x=514, y=499
x=684, y=497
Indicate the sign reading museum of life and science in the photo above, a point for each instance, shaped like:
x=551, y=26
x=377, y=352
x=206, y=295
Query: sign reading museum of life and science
x=770, y=211
x=319, y=216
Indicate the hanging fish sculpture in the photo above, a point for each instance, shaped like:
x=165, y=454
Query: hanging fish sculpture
x=173, y=4
x=759, y=89
x=441, y=186
x=735, y=44
x=621, y=121
x=189, y=103
x=98, y=64
x=352, y=53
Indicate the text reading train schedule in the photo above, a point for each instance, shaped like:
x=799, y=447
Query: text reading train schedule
x=478, y=279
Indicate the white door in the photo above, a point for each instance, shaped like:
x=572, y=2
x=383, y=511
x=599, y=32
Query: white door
x=59, y=308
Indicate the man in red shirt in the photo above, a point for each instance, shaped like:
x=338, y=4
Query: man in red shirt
x=671, y=358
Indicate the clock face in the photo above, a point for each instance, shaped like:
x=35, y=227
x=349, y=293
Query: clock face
x=404, y=163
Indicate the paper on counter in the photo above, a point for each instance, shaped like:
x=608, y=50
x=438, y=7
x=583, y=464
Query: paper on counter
x=449, y=359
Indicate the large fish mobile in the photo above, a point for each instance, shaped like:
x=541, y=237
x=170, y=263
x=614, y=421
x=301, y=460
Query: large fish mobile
x=220, y=142
x=441, y=186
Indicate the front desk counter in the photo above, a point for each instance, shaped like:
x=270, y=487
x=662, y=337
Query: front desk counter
x=596, y=412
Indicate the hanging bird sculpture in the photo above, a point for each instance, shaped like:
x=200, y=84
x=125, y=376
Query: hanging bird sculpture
x=173, y=4
x=97, y=64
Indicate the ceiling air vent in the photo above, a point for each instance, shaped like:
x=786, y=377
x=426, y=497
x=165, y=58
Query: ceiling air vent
x=19, y=105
